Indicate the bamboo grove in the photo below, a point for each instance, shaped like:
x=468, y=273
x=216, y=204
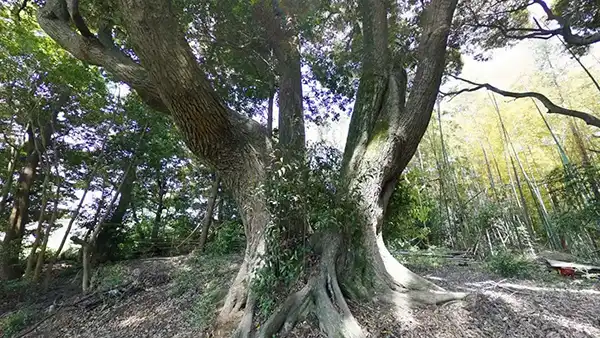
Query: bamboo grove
x=495, y=174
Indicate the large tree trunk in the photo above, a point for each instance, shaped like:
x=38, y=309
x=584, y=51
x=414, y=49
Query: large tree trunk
x=384, y=135
x=385, y=130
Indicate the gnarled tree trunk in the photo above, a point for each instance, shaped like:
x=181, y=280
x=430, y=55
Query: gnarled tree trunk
x=384, y=133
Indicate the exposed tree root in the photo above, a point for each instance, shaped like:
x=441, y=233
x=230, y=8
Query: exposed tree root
x=234, y=314
x=323, y=297
x=400, y=274
x=435, y=297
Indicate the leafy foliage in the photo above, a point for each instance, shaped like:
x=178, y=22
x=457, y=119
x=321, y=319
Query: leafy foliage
x=109, y=276
x=228, y=238
x=16, y=321
x=412, y=213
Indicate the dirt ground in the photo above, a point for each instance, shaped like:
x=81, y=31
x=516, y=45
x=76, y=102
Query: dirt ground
x=155, y=299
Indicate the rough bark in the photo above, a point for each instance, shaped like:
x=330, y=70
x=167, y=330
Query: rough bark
x=208, y=217
x=385, y=130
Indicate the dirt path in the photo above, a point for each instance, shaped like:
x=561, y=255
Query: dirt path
x=510, y=308
x=164, y=304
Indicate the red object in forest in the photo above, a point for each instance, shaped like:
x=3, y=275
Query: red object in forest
x=567, y=272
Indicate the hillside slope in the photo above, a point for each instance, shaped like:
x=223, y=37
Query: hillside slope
x=177, y=297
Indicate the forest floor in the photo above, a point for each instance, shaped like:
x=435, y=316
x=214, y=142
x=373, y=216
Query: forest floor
x=177, y=297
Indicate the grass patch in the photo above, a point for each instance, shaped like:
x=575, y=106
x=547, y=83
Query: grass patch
x=204, y=309
x=16, y=321
x=18, y=291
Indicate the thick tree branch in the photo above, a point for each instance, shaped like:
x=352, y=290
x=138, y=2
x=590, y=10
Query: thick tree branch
x=551, y=106
x=54, y=18
x=228, y=142
x=520, y=33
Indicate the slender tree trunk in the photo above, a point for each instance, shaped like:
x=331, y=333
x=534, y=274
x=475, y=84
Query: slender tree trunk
x=449, y=171
x=590, y=172
x=157, y=223
x=75, y=212
x=490, y=175
x=10, y=173
x=526, y=212
x=284, y=42
x=270, y=112
x=53, y=217
x=38, y=231
x=106, y=246
x=88, y=244
x=214, y=192
x=40, y=259
x=35, y=148
x=443, y=201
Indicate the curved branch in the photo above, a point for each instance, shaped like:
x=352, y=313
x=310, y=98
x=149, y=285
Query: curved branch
x=551, y=106
x=54, y=18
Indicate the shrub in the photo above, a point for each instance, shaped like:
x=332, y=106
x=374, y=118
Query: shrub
x=508, y=264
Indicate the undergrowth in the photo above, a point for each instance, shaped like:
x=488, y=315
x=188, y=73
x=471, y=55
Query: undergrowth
x=205, y=279
x=509, y=264
x=109, y=276
x=229, y=238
